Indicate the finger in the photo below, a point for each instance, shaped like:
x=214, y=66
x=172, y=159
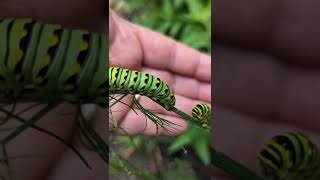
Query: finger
x=69, y=161
x=70, y=167
x=120, y=113
x=12, y=9
x=248, y=22
x=242, y=136
x=258, y=84
x=182, y=103
x=197, y=65
x=124, y=47
x=184, y=86
x=134, y=124
x=269, y=25
x=173, y=56
x=84, y=14
x=43, y=148
x=87, y=14
x=119, y=105
x=131, y=121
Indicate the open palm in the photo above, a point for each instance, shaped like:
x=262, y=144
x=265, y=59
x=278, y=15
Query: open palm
x=186, y=71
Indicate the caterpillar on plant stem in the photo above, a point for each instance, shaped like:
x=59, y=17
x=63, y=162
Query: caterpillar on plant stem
x=125, y=81
x=41, y=61
x=290, y=156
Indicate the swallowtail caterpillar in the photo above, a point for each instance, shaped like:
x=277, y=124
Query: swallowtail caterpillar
x=127, y=81
x=202, y=112
x=41, y=61
x=290, y=156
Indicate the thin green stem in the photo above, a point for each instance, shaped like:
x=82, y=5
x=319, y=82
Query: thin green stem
x=32, y=121
x=20, y=119
x=7, y=163
x=118, y=100
x=222, y=161
x=101, y=147
x=232, y=167
x=187, y=117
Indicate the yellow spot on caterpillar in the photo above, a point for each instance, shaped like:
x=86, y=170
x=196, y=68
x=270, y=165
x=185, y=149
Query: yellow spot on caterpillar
x=22, y=34
x=28, y=20
x=77, y=68
x=47, y=60
x=53, y=41
x=84, y=46
x=18, y=55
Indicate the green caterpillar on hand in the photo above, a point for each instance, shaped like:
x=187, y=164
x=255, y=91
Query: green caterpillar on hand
x=202, y=112
x=125, y=81
x=290, y=156
x=41, y=61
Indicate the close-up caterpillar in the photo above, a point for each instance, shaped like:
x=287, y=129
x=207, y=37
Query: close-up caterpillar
x=290, y=156
x=125, y=81
x=202, y=112
x=43, y=61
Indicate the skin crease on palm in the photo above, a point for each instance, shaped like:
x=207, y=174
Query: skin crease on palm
x=267, y=74
x=132, y=47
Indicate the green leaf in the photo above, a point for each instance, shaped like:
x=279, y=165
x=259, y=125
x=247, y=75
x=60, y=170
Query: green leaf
x=198, y=139
x=179, y=143
x=164, y=27
x=175, y=28
x=202, y=148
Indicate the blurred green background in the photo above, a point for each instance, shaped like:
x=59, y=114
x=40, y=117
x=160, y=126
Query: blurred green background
x=187, y=21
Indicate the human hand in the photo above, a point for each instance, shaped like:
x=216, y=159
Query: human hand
x=58, y=162
x=186, y=71
x=267, y=74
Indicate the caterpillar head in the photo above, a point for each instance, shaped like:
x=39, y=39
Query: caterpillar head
x=202, y=112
